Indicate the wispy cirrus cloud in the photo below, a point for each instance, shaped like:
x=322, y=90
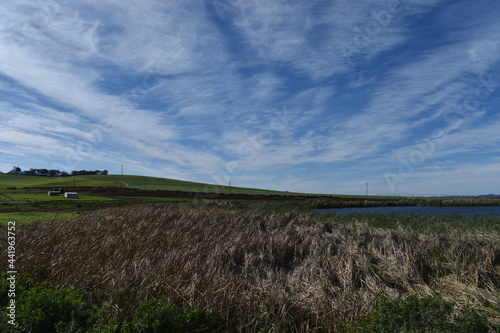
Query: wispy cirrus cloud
x=257, y=90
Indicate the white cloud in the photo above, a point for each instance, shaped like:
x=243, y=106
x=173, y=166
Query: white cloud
x=472, y=179
x=181, y=87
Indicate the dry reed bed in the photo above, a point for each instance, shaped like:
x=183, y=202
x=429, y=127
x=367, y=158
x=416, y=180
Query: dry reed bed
x=287, y=271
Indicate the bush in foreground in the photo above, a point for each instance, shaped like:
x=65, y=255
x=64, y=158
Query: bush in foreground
x=159, y=316
x=428, y=314
x=43, y=309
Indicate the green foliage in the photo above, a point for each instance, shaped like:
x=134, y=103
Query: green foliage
x=160, y=316
x=471, y=321
x=42, y=309
x=426, y=224
x=429, y=314
x=23, y=282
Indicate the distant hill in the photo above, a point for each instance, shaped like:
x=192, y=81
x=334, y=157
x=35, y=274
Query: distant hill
x=8, y=180
x=483, y=196
x=489, y=196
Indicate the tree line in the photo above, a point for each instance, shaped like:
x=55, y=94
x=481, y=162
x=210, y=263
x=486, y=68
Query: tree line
x=56, y=173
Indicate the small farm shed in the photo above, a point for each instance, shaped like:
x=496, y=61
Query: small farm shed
x=53, y=193
x=71, y=195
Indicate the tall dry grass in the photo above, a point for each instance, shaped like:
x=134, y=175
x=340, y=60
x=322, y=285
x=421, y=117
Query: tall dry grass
x=277, y=272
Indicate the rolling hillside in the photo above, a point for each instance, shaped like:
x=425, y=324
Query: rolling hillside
x=140, y=182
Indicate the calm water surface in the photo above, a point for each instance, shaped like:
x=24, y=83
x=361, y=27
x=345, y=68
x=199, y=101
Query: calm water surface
x=469, y=211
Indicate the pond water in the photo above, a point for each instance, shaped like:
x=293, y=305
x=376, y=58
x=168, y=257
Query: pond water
x=468, y=211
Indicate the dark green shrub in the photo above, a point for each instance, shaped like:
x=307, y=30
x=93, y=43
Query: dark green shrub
x=160, y=316
x=22, y=282
x=42, y=309
x=429, y=314
x=470, y=321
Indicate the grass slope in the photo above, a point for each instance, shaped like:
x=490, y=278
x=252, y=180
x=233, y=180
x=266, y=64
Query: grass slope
x=22, y=181
x=20, y=202
x=140, y=182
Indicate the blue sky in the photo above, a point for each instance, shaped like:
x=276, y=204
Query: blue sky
x=313, y=96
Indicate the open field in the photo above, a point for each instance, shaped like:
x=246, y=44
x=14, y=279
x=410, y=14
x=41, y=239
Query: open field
x=264, y=267
x=139, y=182
x=27, y=204
x=24, y=198
x=246, y=260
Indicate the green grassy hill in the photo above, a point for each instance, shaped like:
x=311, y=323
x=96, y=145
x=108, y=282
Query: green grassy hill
x=140, y=182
